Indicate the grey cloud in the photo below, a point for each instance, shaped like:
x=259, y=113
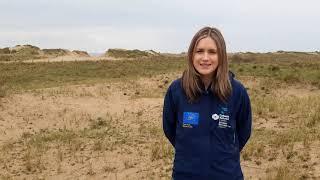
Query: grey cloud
x=246, y=24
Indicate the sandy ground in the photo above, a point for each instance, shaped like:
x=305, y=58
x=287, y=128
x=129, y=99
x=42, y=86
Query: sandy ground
x=135, y=109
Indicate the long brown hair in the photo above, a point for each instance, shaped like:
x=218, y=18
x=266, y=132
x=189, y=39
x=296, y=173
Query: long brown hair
x=191, y=81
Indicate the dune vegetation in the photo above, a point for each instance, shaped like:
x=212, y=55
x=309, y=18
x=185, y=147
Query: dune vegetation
x=102, y=119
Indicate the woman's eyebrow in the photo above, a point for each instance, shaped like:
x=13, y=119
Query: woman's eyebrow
x=215, y=49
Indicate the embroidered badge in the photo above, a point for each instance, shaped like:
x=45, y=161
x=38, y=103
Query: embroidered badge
x=223, y=118
x=190, y=119
x=223, y=121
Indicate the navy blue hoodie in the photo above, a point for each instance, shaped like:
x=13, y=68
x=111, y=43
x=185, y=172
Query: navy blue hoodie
x=208, y=134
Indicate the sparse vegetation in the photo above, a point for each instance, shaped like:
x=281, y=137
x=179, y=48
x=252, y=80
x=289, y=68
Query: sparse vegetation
x=26, y=76
x=120, y=136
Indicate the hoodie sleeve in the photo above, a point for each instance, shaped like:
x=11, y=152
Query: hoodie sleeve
x=169, y=117
x=244, y=120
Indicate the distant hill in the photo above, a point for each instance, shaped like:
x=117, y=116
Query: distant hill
x=26, y=52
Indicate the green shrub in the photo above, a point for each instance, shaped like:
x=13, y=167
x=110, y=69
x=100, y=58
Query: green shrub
x=274, y=68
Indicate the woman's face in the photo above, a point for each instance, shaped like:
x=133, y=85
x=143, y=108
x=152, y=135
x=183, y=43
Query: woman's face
x=205, y=58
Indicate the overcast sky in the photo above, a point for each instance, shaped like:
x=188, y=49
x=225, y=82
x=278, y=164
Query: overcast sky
x=161, y=25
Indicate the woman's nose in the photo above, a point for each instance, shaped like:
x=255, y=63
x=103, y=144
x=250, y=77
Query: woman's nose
x=205, y=56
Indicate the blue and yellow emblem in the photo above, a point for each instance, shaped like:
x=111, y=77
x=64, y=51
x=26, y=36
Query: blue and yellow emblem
x=190, y=119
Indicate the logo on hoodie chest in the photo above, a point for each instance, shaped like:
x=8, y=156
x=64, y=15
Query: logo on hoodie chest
x=222, y=117
x=190, y=119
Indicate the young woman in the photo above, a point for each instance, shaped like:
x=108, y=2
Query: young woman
x=207, y=113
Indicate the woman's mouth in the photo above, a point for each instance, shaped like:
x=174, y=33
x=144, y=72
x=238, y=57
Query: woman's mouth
x=205, y=65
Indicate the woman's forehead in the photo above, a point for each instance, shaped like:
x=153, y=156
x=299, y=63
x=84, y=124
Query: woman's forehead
x=205, y=40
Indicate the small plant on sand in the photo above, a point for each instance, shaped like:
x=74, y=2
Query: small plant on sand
x=3, y=91
x=90, y=170
x=161, y=150
x=283, y=172
x=98, y=123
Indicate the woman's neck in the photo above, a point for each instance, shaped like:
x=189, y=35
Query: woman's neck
x=206, y=82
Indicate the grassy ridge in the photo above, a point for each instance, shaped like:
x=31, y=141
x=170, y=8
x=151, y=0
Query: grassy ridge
x=290, y=67
x=277, y=57
x=24, y=76
x=293, y=73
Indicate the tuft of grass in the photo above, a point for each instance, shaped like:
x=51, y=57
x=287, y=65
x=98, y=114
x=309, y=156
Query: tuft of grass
x=99, y=123
x=3, y=91
x=109, y=169
x=128, y=164
x=43, y=138
x=98, y=145
x=5, y=177
x=314, y=118
x=291, y=77
x=256, y=147
x=161, y=150
x=282, y=172
x=91, y=172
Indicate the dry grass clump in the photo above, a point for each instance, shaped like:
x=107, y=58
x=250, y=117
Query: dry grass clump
x=161, y=150
x=283, y=172
x=3, y=91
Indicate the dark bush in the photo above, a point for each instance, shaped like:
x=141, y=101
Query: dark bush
x=274, y=68
x=5, y=51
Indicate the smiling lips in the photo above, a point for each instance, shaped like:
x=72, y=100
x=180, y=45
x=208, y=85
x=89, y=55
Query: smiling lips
x=205, y=65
